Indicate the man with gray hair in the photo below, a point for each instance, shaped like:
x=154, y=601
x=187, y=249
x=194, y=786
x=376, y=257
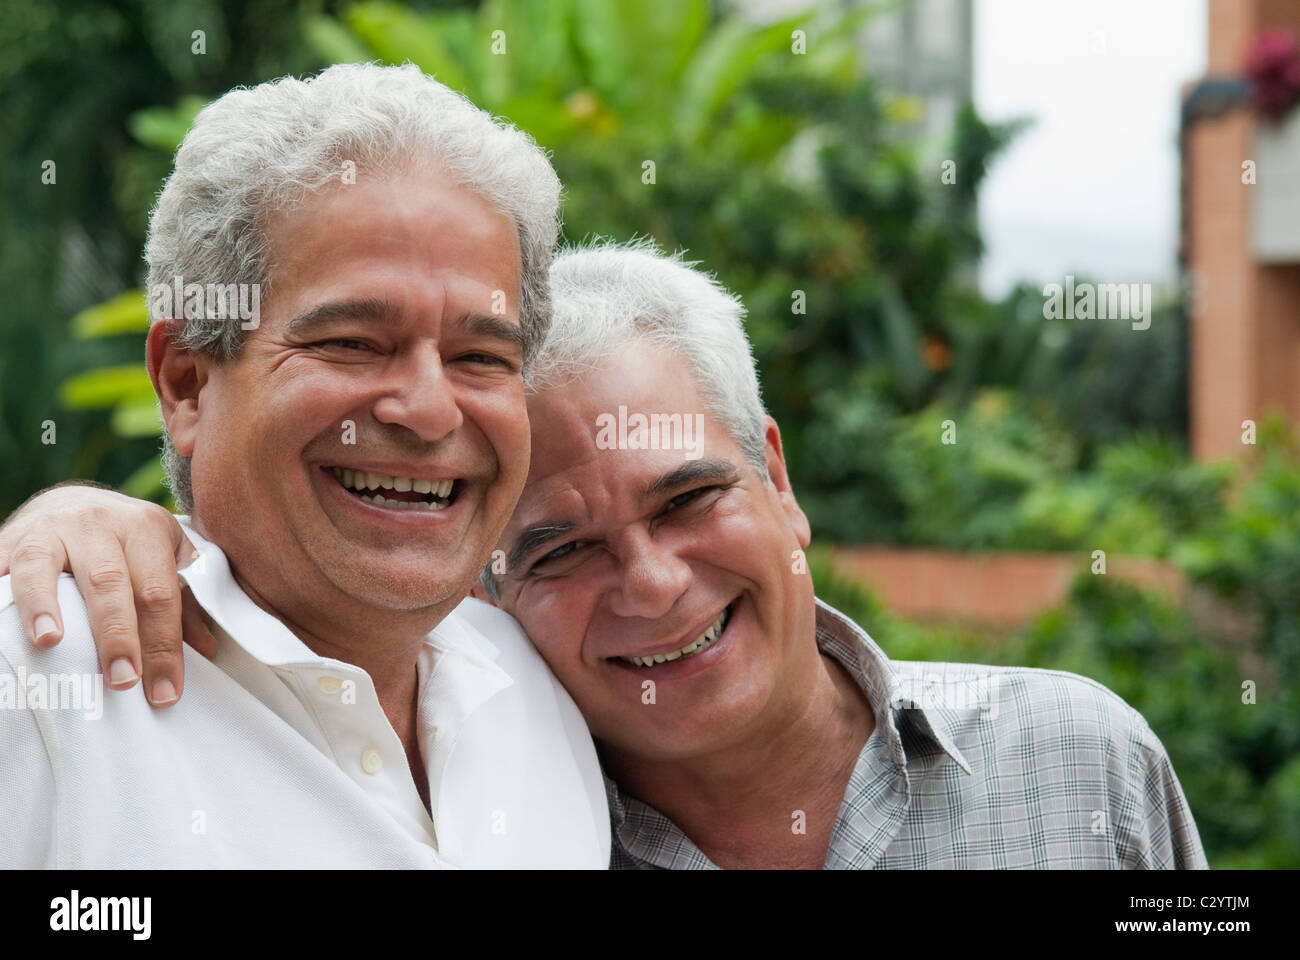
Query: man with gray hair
x=741, y=721
x=348, y=457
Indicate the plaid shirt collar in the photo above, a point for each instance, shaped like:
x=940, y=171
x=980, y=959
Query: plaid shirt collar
x=643, y=837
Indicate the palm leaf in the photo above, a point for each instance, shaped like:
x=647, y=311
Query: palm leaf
x=107, y=387
x=126, y=313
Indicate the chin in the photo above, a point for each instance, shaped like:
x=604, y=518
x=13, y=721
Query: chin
x=406, y=590
x=688, y=736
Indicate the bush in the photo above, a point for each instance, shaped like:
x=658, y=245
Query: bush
x=1230, y=756
x=1236, y=761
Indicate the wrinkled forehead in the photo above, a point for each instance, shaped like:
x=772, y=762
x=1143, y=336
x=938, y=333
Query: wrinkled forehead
x=632, y=418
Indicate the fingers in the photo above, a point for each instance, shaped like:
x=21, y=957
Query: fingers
x=151, y=559
x=184, y=550
x=124, y=555
x=35, y=566
x=99, y=565
x=195, y=630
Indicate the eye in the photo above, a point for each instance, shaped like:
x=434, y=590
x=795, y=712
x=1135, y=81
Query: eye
x=562, y=560
x=488, y=359
x=682, y=499
x=345, y=343
x=558, y=553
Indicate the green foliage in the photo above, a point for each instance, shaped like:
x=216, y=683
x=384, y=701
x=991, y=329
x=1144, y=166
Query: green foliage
x=1013, y=479
x=1143, y=496
x=1100, y=379
x=1250, y=553
x=125, y=313
x=1236, y=761
x=967, y=493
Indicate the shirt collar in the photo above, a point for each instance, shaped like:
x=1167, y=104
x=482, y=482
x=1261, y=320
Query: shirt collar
x=266, y=638
x=262, y=635
x=891, y=694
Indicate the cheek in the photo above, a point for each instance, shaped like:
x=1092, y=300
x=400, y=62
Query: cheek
x=557, y=621
x=222, y=413
x=748, y=543
x=288, y=411
x=502, y=415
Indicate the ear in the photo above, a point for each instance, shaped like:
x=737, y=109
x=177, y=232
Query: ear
x=178, y=376
x=781, y=481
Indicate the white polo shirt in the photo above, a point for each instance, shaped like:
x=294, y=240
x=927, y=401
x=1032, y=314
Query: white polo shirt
x=277, y=757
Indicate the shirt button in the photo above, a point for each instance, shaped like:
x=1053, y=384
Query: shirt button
x=330, y=685
x=371, y=761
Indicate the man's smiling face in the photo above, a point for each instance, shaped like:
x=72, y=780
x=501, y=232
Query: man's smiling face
x=382, y=367
x=615, y=555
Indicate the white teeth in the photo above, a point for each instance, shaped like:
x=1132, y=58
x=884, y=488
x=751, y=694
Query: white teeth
x=362, y=481
x=403, y=504
x=699, y=645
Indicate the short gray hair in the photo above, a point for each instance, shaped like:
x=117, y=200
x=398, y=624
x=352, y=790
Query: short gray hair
x=606, y=295
x=256, y=149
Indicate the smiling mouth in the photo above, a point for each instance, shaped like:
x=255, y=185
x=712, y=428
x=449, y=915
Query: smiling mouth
x=697, y=646
x=397, y=493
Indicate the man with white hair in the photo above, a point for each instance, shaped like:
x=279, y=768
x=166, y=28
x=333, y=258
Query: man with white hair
x=348, y=455
x=741, y=721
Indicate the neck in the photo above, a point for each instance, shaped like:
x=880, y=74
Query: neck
x=772, y=799
x=388, y=651
x=387, y=648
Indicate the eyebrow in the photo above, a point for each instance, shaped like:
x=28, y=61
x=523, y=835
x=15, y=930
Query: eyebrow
x=539, y=535
x=535, y=537
x=373, y=310
x=694, y=471
x=370, y=309
x=498, y=328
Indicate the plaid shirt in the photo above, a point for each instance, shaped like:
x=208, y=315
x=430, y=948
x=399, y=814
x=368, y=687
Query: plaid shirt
x=974, y=767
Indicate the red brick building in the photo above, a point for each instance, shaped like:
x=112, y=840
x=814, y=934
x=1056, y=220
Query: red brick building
x=1241, y=239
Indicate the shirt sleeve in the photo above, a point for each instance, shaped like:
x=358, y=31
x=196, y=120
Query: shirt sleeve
x=1159, y=832
x=27, y=800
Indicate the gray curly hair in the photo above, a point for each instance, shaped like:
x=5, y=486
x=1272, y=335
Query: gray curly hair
x=257, y=149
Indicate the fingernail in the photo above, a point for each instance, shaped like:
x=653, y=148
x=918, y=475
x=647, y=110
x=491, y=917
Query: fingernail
x=163, y=693
x=46, y=627
x=121, y=671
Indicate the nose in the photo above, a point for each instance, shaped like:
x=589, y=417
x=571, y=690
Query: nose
x=653, y=578
x=419, y=395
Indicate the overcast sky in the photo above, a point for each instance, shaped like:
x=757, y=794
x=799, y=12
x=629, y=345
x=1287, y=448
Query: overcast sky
x=1092, y=188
